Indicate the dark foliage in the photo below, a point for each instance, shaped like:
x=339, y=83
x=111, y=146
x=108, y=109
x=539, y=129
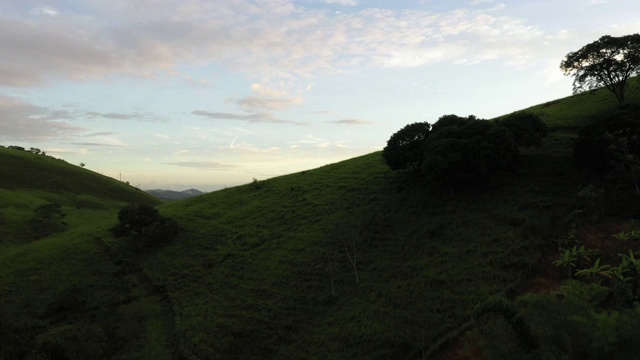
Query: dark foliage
x=47, y=219
x=406, y=147
x=467, y=154
x=451, y=120
x=596, y=147
x=527, y=129
x=145, y=226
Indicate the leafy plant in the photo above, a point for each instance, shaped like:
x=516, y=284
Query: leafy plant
x=595, y=270
x=631, y=234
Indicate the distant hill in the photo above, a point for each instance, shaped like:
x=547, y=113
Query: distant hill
x=28, y=180
x=171, y=195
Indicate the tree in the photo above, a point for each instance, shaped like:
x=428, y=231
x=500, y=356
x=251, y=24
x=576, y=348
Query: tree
x=466, y=155
x=445, y=121
x=406, y=147
x=607, y=62
x=144, y=225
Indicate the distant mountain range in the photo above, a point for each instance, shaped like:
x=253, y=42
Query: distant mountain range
x=170, y=195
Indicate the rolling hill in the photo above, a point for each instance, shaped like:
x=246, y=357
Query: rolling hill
x=347, y=261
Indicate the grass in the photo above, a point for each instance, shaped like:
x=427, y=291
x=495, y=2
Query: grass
x=350, y=260
x=570, y=113
x=256, y=262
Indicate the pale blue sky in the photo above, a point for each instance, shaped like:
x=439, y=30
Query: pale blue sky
x=177, y=94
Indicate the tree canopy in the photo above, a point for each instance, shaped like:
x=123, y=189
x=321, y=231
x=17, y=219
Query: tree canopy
x=467, y=154
x=406, y=147
x=607, y=62
x=463, y=152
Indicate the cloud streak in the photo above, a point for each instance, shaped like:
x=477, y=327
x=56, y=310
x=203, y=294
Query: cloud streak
x=252, y=118
x=203, y=165
x=352, y=122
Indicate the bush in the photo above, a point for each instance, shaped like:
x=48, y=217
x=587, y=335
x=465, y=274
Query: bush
x=527, y=128
x=145, y=226
x=47, y=219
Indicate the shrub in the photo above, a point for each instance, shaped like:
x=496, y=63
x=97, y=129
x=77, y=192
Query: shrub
x=47, y=219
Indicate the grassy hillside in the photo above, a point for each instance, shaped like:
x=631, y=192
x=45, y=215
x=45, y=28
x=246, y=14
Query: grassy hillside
x=28, y=180
x=570, y=113
x=347, y=261
x=254, y=270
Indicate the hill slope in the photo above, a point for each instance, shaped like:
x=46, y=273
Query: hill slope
x=28, y=180
x=350, y=260
x=347, y=261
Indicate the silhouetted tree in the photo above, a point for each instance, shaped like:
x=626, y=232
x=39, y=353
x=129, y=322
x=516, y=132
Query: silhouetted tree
x=468, y=153
x=607, y=62
x=406, y=147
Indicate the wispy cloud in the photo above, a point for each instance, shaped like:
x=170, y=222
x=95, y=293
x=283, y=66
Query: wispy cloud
x=123, y=116
x=96, y=144
x=352, y=122
x=253, y=118
x=266, y=97
x=99, y=134
x=342, y=2
x=27, y=122
x=77, y=46
x=203, y=165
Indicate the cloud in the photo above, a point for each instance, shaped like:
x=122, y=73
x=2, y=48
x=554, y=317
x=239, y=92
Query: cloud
x=126, y=38
x=122, y=116
x=46, y=11
x=352, y=122
x=96, y=144
x=203, y=165
x=267, y=97
x=342, y=2
x=252, y=118
x=21, y=121
x=99, y=134
x=253, y=103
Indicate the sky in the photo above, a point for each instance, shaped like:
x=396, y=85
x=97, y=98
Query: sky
x=208, y=94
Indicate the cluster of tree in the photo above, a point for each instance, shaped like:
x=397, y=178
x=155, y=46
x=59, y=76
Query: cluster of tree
x=31, y=150
x=144, y=226
x=463, y=152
